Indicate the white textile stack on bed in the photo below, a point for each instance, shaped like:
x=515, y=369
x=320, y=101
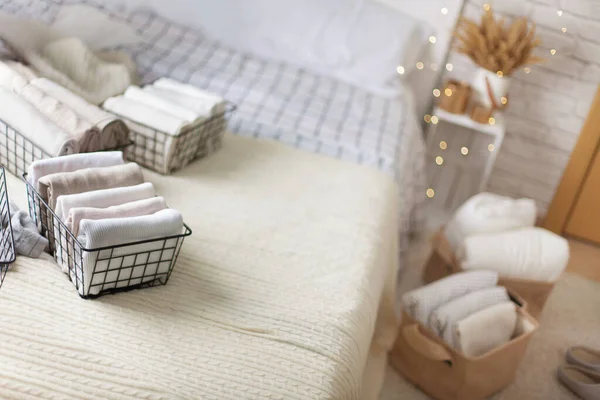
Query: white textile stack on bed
x=104, y=202
x=497, y=233
x=305, y=313
x=53, y=118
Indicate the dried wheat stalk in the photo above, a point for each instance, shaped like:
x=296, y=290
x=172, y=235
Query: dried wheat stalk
x=497, y=46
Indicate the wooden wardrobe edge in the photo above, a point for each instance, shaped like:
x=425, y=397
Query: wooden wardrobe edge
x=574, y=174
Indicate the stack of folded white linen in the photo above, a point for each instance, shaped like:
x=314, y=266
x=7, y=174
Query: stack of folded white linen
x=52, y=117
x=466, y=310
x=497, y=233
x=103, y=201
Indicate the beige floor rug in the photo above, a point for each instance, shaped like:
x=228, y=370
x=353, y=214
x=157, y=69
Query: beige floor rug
x=571, y=317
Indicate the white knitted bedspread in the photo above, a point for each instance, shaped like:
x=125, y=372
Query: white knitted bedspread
x=281, y=292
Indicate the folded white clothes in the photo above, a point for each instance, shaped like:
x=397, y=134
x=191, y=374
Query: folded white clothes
x=70, y=163
x=24, y=118
x=529, y=253
x=488, y=213
x=61, y=114
x=217, y=103
x=131, y=209
x=22, y=69
x=148, y=261
x=443, y=318
x=134, y=93
x=104, y=198
x=421, y=302
x=204, y=108
x=486, y=329
x=7, y=74
x=113, y=130
x=143, y=114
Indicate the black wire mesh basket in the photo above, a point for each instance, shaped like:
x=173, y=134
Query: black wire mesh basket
x=104, y=270
x=165, y=153
x=17, y=152
x=7, y=243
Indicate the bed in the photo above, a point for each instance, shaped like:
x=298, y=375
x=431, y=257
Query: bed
x=286, y=289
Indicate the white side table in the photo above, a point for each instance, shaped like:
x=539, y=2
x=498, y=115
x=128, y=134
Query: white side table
x=460, y=156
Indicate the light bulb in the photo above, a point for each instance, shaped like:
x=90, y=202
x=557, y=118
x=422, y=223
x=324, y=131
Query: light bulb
x=449, y=67
x=443, y=145
x=434, y=120
x=559, y=13
x=400, y=69
x=464, y=151
x=436, y=92
x=430, y=193
x=486, y=7
x=552, y=51
x=427, y=118
x=439, y=160
x=444, y=10
x=420, y=65
x=491, y=147
x=448, y=92
x=500, y=74
x=564, y=29
x=492, y=120
x=503, y=100
x=432, y=39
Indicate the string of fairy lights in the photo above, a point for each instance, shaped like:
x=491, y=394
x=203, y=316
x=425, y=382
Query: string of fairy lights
x=433, y=119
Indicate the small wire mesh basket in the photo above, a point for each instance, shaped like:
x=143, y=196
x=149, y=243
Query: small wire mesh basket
x=99, y=271
x=17, y=152
x=166, y=153
x=7, y=244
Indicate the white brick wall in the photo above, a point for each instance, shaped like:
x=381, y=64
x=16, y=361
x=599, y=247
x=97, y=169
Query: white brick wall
x=548, y=106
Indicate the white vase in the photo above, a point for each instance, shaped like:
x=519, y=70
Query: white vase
x=498, y=85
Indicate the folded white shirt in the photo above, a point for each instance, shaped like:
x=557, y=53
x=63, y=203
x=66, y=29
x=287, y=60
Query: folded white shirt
x=488, y=213
x=529, y=253
x=127, y=265
x=103, y=198
x=486, y=329
x=144, y=114
x=70, y=163
x=134, y=93
x=421, y=302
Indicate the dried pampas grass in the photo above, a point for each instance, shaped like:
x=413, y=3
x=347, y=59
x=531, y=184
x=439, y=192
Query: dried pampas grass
x=498, y=46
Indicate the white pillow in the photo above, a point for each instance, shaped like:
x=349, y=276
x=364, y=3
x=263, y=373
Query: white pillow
x=356, y=41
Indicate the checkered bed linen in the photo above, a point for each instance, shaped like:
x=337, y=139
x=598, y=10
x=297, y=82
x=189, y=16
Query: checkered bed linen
x=278, y=101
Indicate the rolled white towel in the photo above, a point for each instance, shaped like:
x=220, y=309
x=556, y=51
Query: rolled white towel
x=217, y=104
x=34, y=126
x=421, y=302
x=70, y=163
x=141, y=113
x=201, y=106
x=488, y=213
x=103, y=198
x=486, y=329
x=117, y=231
x=144, y=97
x=530, y=253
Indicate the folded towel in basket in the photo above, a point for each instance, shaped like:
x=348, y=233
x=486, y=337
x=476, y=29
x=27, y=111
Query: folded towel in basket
x=70, y=163
x=104, y=197
x=486, y=329
x=487, y=213
x=134, y=93
x=24, y=118
x=530, y=253
x=421, y=302
x=217, y=104
x=203, y=107
x=128, y=265
x=8, y=73
x=144, y=114
x=87, y=135
x=22, y=69
x=113, y=131
x=443, y=318
x=86, y=180
x=27, y=238
x=131, y=209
